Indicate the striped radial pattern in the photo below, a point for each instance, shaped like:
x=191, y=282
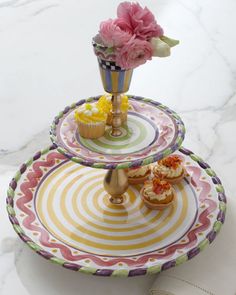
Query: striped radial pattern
x=138, y=146
x=59, y=209
x=72, y=204
x=136, y=136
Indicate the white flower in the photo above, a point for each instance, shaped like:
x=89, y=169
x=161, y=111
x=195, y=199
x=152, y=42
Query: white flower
x=171, y=42
x=160, y=48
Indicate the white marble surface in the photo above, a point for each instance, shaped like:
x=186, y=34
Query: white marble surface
x=46, y=62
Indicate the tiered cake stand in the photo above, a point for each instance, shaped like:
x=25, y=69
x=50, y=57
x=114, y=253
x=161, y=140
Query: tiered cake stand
x=152, y=132
x=76, y=215
x=61, y=206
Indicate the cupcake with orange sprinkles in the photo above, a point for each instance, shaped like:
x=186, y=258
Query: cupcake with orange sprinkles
x=170, y=169
x=158, y=194
x=138, y=175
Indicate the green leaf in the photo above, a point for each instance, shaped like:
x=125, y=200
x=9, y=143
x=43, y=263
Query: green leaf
x=110, y=50
x=169, y=41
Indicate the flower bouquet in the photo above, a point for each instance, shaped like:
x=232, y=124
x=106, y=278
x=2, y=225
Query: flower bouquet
x=127, y=42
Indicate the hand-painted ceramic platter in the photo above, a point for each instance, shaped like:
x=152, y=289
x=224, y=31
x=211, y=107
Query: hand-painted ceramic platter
x=152, y=132
x=61, y=211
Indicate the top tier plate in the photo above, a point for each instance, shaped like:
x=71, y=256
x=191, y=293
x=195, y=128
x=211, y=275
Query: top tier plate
x=152, y=132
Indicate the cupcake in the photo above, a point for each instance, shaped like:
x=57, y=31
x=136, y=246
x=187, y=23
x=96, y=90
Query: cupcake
x=170, y=169
x=157, y=194
x=91, y=121
x=105, y=105
x=138, y=175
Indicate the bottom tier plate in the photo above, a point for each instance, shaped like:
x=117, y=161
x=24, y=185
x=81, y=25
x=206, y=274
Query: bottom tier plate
x=62, y=212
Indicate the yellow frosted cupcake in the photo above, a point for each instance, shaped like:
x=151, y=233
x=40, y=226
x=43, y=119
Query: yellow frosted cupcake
x=158, y=194
x=91, y=121
x=105, y=105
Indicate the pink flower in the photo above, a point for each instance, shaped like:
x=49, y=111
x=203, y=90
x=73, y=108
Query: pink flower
x=112, y=35
x=134, y=53
x=121, y=23
x=139, y=20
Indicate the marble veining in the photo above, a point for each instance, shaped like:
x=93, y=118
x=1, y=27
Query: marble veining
x=47, y=63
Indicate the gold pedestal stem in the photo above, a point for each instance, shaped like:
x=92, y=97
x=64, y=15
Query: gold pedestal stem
x=116, y=184
x=116, y=115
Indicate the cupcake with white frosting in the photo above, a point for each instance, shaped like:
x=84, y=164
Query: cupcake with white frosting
x=138, y=175
x=91, y=121
x=170, y=169
x=157, y=194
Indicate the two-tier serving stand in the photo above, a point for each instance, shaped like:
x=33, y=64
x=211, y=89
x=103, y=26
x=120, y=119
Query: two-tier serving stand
x=152, y=132
x=65, y=206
